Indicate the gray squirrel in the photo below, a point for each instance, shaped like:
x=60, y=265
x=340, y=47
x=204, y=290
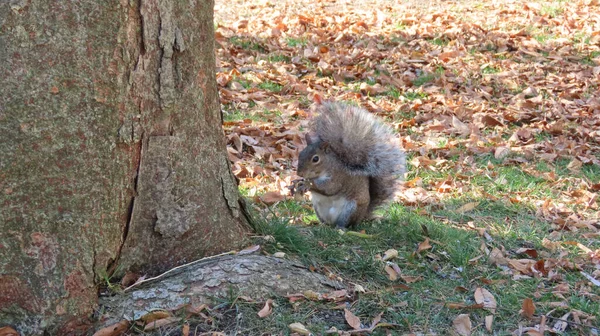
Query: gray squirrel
x=352, y=164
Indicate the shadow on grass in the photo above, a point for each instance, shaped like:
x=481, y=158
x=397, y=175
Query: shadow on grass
x=448, y=272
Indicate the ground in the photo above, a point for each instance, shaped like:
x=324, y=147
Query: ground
x=497, y=104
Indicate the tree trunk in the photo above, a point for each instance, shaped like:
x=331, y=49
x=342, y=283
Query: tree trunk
x=112, y=156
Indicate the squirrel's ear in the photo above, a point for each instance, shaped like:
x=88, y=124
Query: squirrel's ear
x=311, y=138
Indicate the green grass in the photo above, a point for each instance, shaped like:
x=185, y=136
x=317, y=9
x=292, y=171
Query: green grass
x=424, y=79
x=543, y=38
x=490, y=70
x=552, y=11
x=246, y=43
x=589, y=59
x=234, y=114
x=296, y=42
x=440, y=42
x=412, y=95
x=278, y=58
x=422, y=306
x=270, y=86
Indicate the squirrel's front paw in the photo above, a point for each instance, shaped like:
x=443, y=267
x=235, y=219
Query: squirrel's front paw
x=299, y=186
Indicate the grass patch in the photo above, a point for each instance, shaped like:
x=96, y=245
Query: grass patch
x=552, y=11
x=278, y=58
x=488, y=70
x=270, y=86
x=412, y=95
x=440, y=42
x=424, y=79
x=296, y=42
x=246, y=43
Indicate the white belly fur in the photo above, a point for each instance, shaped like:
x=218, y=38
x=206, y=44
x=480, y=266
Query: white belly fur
x=328, y=207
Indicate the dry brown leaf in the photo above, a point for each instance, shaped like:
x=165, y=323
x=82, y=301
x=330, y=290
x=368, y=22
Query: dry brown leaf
x=299, y=328
x=185, y=330
x=462, y=324
x=522, y=265
x=529, y=251
x=462, y=305
x=8, y=331
x=312, y=295
x=575, y=165
x=249, y=250
x=392, y=274
x=490, y=121
x=267, y=309
x=155, y=315
x=528, y=308
x=113, y=330
x=489, y=320
x=561, y=325
x=351, y=319
x=424, y=245
x=160, y=323
x=390, y=254
x=467, y=207
x=483, y=296
x=501, y=152
x=497, y=257
x=411, y=279
x=272, y=197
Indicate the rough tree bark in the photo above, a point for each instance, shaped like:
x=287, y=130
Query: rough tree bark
x=112, y=156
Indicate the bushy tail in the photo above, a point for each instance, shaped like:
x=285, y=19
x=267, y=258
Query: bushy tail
x=362, y=142
x=383, y=188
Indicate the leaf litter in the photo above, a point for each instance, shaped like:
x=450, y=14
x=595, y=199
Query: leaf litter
x=513, y=81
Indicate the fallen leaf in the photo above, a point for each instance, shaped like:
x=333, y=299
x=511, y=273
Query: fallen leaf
x=462, y=324
x=528, y=308
x=467, y=207
x=462, y=305
x=185, y=330
x=501, y=152
x=529, y=251
x=575, y=165
x=113, y=330
x=249, y=250
x=392, y=274
x=312, y=295
x=129, y=279
x=267, y=309
x=161, y=323
x=561, y=325
x=279, y=254
x=411, y=279
x=390, y=254
x=299, y=328
x=351, y=319
x=488, y=120
x=155, y=315
x=424, y=245
x=359, y=289
x=486, y=298
x=8, y=331
x=489, y=320
x=271, y=197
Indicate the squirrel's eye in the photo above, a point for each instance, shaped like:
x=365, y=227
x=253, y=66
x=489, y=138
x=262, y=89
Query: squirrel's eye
x=315, y=159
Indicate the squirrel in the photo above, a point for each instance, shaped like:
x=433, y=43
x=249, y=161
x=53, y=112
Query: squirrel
x=352, y=164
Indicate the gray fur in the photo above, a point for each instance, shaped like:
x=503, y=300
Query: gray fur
x=363, y=145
